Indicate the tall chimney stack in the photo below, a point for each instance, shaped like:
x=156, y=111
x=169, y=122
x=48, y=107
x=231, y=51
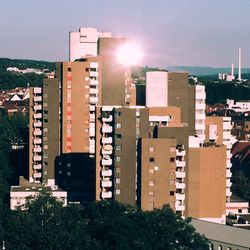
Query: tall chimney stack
x=239, y=74
x=232, y=70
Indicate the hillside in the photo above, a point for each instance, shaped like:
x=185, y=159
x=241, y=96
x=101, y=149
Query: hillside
x=10, y=80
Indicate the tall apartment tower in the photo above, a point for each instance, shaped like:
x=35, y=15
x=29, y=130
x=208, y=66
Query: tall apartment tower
x=84, y=43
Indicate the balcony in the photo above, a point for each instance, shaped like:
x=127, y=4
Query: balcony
x=106, y=195
x=37, y=90
x=180, y=152
x=37, y=132
x=37, y=175
x=37, y=166
x=91, y=149
x=92, y=117
x=107, y=108
x=107, y=119
x=38, y=116
x=180, y=185
x=37, y=124
x=226, y=135
x=91, y=107
x=227, y=126
x=93, y=82
x=107, y=129
x=107, y=152
x=180, y=174
x=229, y=155
x=107, y=183
x=93, y=73
x=200, y=106
x=37, y=157
x=228, y=173
x=37, y=98
x=92, y=132
x=200, y=126
x=228, y=192
x=37, y=149
x=180, y=163
x=106, y=162
x=228, y=183
x=200, y=116
x=180, y=197
x=106, y=173
x=93, y=100
x=37, y=141
x=107, y=140
x=200, y=95
x=179, y=207
x=37, y=107
x=93, y=91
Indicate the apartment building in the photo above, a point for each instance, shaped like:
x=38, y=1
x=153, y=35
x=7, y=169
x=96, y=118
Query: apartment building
x=89, y=139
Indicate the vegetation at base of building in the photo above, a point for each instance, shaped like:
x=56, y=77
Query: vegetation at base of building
x=9, y=80
x=46, y=224
x=13, y=132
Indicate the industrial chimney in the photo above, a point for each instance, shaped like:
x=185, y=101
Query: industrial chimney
x=239, y=74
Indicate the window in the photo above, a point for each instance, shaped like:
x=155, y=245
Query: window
x=151, y=193
x=45, y=147
x=68, y=164
x=151, y=171
x=45, y=172
x=151, y=149
x=118, y=147
x=118, y=114
x=118, y=158
x=219, y=247
x=68, y=173
x=45, y=120
x=45, y=96
x=45, y=130
x=45, y=104
x=172, y=159
x=172, y=193
x=69, y=69
x=117, y=180
x=172, y=182
x=151, y=205
x=118, y=170
x=118, y=191
x=172, y=149
x=45, y=156
x=45, y=112
x=118, y=125
x=151, y=183
x=156, y=168
x=151, y=159
x=118, y=136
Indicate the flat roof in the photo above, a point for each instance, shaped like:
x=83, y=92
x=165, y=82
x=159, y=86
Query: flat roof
x=222, y=233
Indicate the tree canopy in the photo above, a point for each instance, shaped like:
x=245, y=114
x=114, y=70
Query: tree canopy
x=46, y=224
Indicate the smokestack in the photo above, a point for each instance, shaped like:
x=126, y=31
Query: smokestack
x=232, y=72
x=239, y=74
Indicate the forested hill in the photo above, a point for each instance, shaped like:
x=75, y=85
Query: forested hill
x=9, y=80
x=25, y=63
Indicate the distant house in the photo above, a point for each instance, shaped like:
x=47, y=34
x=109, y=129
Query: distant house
x=16, y=97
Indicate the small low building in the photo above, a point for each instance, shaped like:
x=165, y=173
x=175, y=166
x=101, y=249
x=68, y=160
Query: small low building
x=223, y=237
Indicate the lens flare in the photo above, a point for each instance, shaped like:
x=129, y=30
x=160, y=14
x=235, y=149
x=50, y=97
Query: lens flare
x=129, y=54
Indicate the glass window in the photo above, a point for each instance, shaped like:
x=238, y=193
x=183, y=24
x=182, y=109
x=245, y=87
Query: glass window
x=118, y=180
x=118, y=147
x=152, y=149
x=151, y=159
x=118, y=158
x=118, y=125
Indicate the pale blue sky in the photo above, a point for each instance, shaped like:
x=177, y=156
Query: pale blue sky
x=183, y=32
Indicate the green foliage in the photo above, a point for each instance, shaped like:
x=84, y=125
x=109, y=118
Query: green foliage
x=9, y=80
x=45, y=224
x=13, y=130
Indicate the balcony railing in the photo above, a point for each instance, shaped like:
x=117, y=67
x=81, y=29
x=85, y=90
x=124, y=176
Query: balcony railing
x=106, y=183
x=106, y=195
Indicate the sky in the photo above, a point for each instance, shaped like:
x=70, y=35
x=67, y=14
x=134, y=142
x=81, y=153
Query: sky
x=171, y=33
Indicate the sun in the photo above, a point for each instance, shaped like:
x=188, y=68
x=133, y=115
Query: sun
x=129, y=54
